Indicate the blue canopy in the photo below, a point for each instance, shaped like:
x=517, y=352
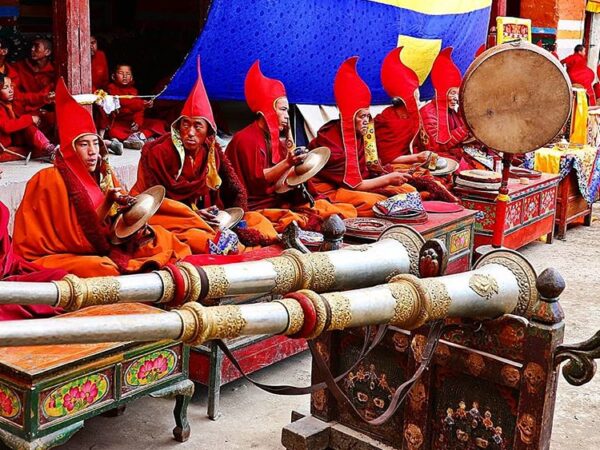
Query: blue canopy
x=302, y=43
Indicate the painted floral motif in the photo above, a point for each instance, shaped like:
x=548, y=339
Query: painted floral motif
x=460, y=241
x=513, y=215
x=10, y=405
x=547, y=201
x=151, y=368
x=76, y=396
x=530, y=210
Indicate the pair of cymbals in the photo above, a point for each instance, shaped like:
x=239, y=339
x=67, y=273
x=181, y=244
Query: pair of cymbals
x=315, y=160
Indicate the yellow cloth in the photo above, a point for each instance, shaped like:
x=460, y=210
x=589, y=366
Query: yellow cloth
x=579, y=128
x=548, y=159
x=371, y=155
x=593, y=6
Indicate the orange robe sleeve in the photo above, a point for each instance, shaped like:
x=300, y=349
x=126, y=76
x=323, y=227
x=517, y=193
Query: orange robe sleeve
x=48, y=233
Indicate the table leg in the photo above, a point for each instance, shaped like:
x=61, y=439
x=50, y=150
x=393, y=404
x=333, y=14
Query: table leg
x=550, y=237
x=214, y=381
x=587, y=220
x=183, y=392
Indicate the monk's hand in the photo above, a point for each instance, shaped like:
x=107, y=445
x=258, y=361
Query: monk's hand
x=134, y=126
x=296, y=156
x=209, y=215
x=397, y=178
x=36, y=120
x=120, y=197
x=423, y=156
x=50, y=96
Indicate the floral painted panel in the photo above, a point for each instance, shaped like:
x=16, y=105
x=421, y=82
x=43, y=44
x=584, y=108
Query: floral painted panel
x=513, y=215
x=150, y=368
x=10, y=404
x=548, y=199
x=531, y=207
x=460, y=241
x=75, y=396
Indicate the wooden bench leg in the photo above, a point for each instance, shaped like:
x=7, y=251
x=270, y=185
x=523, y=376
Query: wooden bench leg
x=183, y=392
x=214, y=381
x=587, y=220
x=550, y=237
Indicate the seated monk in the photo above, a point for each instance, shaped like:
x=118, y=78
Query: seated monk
x=19, y=133
x=65, y=216
x=443, y=129
x=35, y=85
x=346, y=177
x=397, y=127
x=15, y=268
x=128, y=124
x=261, y=158
x=191, y=166
x=99, y=66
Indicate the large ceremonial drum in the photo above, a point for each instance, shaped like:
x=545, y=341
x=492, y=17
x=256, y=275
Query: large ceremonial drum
x=515, y=97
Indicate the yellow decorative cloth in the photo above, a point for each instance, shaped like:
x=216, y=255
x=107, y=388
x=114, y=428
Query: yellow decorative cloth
x=548, y=159
x=593, y=6
x=371, y=145
x=579, y=128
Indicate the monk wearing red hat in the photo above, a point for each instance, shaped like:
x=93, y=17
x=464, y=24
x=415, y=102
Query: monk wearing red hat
x=191, y=166
x=346, y=177
x=261, y=158
x=397, y=127
x=64, y=217
x=443, y=129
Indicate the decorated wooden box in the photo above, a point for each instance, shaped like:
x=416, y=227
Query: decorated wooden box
x=47, y=392
x=530, y=215
x=490, y=387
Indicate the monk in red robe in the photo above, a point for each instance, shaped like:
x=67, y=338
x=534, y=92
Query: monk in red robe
x=99, y=66
x=191, y=166
x=15, y=268
x=19, y=132
x=36, y=79
x=65, y=216
x=578, y=58
x=261, y=158
x=128, y=124
x=443, y=129
x=397, y=127
x=346, y=177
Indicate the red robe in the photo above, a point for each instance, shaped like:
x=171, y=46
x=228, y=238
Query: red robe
x=32, y=86
x=395, y=129
x=250, y=154
x=99, y=71
x=132, y=110
x=19, y=131
x=15, y=268
x=330, y=180
x=574, y=60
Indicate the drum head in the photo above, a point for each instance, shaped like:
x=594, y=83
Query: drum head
x=515, y=97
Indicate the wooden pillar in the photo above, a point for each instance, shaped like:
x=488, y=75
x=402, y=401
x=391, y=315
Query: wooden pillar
x=72, y=58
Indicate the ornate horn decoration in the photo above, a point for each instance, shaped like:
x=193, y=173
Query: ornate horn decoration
x=502, y=283
x=352, y=267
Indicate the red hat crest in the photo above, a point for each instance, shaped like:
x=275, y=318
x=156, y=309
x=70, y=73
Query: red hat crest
x=480, y=50
x=351, y=94
x=261, y=94
x=74, y=121
x=197, y=104
x=399, y=80
x=444, y=76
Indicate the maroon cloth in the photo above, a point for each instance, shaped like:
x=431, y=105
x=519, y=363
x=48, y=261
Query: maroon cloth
x=254, y=255
x=330, y=136
x=160, y=164
x=99, y=71
x=131, y=110
x=395, y=128
x=33, y=86
x=15, y=268
x=250, y=154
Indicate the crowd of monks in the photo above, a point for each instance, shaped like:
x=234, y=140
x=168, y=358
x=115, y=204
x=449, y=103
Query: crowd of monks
x=66, y=219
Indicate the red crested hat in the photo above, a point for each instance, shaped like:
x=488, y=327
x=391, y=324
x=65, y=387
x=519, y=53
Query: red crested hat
x=399, y=80
x=197, y=104
x=74, y=121
x=351, y=94
x=261, y=94
x=444, y=76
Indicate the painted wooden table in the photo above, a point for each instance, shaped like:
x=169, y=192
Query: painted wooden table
x=455, y=230
x=531, y=211
x=570, y=205
x=47, y=392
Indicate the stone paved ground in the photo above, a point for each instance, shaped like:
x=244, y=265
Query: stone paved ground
x=253, y=419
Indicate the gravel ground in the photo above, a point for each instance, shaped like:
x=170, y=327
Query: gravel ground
x=253, y=419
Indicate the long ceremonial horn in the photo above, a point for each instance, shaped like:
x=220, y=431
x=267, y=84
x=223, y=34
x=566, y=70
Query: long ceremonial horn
x=503, y=282
x=353, y=267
